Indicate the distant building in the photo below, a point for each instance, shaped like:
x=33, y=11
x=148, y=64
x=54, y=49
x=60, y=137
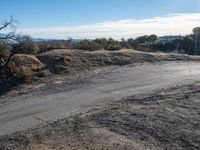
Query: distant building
x=168, y=39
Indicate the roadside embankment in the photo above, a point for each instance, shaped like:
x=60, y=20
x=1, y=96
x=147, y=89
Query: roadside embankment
x=28, y=68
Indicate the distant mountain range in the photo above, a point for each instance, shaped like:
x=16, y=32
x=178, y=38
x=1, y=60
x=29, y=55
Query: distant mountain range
x=44, y=39
x=41, y=40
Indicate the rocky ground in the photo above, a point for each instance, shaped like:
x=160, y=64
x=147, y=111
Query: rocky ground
x=165, y=119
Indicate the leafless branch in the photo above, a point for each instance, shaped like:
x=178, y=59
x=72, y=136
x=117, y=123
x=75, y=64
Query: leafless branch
x=8, y=23
x=10, y=37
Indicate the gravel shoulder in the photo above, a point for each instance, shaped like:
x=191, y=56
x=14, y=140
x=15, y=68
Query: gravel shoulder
x=164, y=119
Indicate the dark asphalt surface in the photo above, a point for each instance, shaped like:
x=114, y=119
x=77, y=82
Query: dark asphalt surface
x=28, y=110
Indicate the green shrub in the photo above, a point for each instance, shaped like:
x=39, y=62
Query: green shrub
x=4, y=48
x=89, y=45
x=25, y=75
x=26, y=46
x=113, y=47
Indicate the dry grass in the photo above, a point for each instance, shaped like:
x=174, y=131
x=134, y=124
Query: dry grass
x=22, y=62
x=21, y=68
x=28, y=68
x=70, y=61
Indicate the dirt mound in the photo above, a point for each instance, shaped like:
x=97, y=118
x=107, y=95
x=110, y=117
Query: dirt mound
x=21, y=68
x=24, y=62
x=69, y=61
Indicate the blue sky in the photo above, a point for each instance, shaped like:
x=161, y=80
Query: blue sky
x=47, y=14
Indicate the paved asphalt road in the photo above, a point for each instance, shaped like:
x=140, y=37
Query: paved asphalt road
x=29, y=110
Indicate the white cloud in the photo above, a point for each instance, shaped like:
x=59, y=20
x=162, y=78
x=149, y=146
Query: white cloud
x=173, y=24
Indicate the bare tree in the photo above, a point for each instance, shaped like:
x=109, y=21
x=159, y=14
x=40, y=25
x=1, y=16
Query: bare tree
x=8, y=36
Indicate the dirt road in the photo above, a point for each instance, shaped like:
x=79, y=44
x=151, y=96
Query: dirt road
x=28, y=110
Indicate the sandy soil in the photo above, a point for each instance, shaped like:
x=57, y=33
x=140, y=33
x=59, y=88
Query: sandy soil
x=165, y=119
